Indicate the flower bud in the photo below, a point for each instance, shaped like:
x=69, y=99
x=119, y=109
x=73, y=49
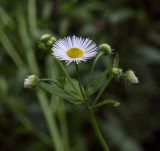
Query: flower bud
x=45, y=37
x=31, y=81
x=46, y=42
x=42, y=46
x=116, y=72
x=105, y=48
x=131, y=77
x=51, y=41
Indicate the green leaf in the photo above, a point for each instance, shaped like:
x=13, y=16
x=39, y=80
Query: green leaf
x=57, y=91
x=114, y=103
x=75, y=92
x=116, y=61
x=93, y=86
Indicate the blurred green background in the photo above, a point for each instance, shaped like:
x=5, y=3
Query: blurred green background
x=131, y=27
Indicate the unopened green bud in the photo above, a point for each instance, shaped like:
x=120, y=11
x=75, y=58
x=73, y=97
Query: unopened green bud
x=131, y=77
x=45, y=37
x=116, y=72
x=42, y=46
x=51, y=41
x=31, y=81
x=105, y=48
x=46, y=42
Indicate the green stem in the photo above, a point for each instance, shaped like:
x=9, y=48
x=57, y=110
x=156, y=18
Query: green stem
x=91, y=115
x=10, y=49
x=66, y=74
x=97, y=130
x=50, y=121
x=31, y=59
x=54, y=104
x=57, y=103
x=32, y=19
x=95, y=61
x=102, y=90
x=79, y=82
x=5, y=18
x=30, y=53
x=63, y=125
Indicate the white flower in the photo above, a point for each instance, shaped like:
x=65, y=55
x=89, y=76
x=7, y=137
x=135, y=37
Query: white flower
x=131, y=77
x=74, y=49
x=30, y=81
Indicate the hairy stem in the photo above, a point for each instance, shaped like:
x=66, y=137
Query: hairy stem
x=79, y=82
x=97, y=130
x=91, y=116
x=102, y=90
x=66, y=74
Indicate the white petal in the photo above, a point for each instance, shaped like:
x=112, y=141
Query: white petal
x=88, y=47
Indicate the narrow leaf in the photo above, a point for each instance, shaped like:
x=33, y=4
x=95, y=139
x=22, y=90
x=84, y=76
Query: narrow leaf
x=57, y=91
x=75, y=92
x=114, y=103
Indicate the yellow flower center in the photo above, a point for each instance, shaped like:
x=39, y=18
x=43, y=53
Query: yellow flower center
x=75, y=53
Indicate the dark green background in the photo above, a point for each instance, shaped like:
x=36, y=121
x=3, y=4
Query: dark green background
x=131, y=27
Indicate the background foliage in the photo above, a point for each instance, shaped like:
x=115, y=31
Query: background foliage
x=131, y=27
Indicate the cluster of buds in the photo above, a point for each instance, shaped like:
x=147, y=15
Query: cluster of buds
x=129, y=76
x=46, y=41
x=117, y=73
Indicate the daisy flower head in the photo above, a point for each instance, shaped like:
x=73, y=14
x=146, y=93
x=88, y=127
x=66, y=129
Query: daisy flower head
x=74, y=49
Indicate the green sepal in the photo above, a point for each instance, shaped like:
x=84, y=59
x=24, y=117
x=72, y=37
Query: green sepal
x=116, y=61
x=113, y=102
